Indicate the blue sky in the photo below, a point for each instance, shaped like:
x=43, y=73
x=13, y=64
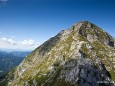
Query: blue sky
x=31, y=22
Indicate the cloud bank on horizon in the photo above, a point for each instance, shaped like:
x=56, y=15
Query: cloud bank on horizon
x=8, y=43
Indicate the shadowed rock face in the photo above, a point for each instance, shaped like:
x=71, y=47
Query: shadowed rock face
x=82, y=55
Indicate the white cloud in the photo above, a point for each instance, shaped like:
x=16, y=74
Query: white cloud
x=3, y=2
x=6, y=43
x=28, y=42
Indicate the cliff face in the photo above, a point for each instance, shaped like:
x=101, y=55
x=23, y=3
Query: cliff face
x=83, y=55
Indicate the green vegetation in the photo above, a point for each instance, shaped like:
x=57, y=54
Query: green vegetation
x=81, y=38
x=112, y=73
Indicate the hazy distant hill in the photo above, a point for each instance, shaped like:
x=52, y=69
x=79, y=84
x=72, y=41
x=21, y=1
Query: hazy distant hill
x=9, y=60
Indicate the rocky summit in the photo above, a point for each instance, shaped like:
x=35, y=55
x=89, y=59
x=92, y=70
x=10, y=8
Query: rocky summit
x=83, y=55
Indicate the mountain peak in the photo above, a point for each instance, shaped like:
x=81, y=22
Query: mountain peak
x=81, y=55
x=85, y=21
x=91, y=32
x=85, y=24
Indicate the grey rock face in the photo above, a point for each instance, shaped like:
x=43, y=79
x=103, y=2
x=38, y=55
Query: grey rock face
x=84, y=72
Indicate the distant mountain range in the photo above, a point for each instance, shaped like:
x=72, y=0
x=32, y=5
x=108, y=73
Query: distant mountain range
x=9, y=60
